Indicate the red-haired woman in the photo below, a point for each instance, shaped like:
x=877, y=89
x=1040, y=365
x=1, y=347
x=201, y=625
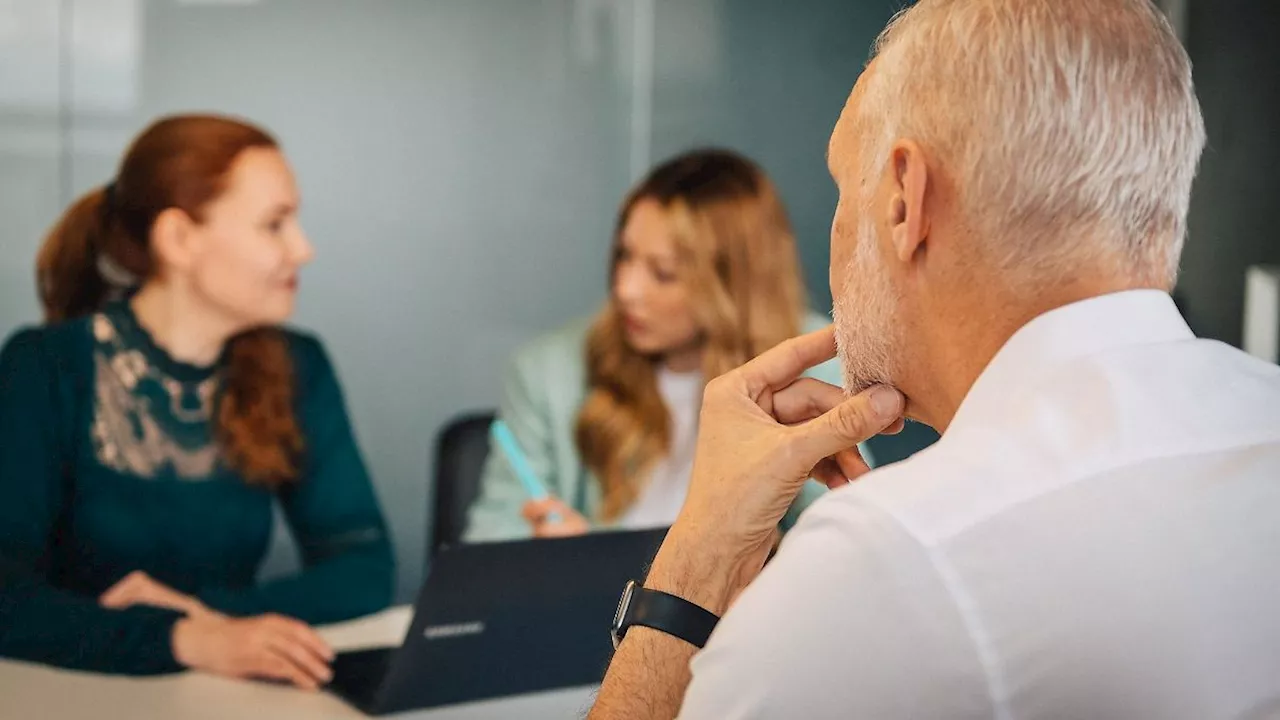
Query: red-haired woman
x=148, y=429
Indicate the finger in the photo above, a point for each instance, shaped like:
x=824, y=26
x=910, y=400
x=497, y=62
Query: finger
x=116, y=601
x=304, y=635
x=852, y=464
x=559, y=506
x=113, y=597
x=777, y=367
x=537, y=511
x=275, y=666
x=303, y=656
x=805, y=399
x=561, y=529
x=123, y=592
x=828, y=473
x=847, y=424
x=895, y=428
x=157, y=593
x=841, y=469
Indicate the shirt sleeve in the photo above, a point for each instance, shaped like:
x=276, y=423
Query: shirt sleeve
x=333, y=513
x=850, y=620
x=40, y=622
x=495, y=515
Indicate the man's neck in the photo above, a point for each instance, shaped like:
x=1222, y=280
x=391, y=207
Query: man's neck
x=180, y=325
x=964, y=335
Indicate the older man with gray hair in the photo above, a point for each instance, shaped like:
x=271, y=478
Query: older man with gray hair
x=1096, y=534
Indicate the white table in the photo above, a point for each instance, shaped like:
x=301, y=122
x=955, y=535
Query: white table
x=29, y=691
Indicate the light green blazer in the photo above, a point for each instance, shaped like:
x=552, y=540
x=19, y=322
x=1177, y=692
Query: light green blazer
x=545, y=387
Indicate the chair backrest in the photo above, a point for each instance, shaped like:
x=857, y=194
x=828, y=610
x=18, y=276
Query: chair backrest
x=460, y=452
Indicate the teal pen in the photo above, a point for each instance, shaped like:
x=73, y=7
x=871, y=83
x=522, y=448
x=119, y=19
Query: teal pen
x=520, y=464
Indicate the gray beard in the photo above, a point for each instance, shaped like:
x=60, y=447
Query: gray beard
x=868, y=337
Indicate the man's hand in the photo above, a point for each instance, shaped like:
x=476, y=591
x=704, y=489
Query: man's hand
x=764, y=430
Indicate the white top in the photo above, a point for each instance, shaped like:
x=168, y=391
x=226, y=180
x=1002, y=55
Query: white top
x=1097, y=535
x=663, y=493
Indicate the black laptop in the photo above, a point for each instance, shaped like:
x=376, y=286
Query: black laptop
x=500, y=619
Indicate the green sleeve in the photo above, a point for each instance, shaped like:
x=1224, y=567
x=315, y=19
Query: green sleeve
x=39, y=622
x=348, y=567
x=495, y=515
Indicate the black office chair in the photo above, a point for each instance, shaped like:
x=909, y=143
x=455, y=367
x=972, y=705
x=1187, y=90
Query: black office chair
x=461, y=449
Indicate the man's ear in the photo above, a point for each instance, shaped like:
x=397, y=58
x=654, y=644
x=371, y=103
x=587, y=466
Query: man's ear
x=908, y=218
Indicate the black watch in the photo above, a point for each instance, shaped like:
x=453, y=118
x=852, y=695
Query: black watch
x=661, y=611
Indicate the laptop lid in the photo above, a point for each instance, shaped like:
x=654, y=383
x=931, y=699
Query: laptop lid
x=510, y=618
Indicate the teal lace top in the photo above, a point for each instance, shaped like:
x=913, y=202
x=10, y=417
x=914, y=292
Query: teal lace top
x=108, y=465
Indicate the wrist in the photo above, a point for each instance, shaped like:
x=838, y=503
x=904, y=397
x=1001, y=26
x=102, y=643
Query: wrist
x=180, y=641
x=706, y=569
x=190, y=637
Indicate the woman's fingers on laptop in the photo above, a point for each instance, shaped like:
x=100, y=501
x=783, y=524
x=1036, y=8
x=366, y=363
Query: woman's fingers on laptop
x=302, y=657
x=266, y=646
x=298, y=644
x=272, y=665
x=305, y=636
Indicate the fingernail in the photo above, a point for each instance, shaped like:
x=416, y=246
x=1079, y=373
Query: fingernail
x=886, y=401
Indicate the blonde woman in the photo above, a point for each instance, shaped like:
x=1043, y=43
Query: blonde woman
x=704, y=276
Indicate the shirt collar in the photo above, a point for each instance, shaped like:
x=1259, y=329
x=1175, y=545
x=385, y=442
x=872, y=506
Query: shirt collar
x=1083, y=328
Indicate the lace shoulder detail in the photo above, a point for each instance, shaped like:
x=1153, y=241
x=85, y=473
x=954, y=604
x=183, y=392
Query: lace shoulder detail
x=145, y=422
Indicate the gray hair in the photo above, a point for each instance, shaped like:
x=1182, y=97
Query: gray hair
x=1070, y=127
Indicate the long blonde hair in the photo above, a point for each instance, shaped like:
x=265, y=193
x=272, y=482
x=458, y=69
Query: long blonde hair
x=738, y=259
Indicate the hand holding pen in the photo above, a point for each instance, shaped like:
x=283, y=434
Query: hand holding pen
x=547, y=515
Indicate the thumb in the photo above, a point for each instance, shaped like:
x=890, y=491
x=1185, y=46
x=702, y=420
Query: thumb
x=857, y=418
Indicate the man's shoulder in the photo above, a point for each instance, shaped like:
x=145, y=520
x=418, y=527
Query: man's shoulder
x=854, y=588
x=928, y=496
x=1094, y=417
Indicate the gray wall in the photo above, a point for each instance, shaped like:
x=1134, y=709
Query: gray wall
x=781, y=74
x=1236, y=54
x=460, y=160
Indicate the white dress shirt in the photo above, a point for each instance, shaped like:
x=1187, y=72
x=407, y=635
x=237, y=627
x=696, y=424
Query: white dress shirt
x=1097, y=535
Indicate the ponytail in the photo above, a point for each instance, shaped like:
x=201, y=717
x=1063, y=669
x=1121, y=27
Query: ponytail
x=68, y=278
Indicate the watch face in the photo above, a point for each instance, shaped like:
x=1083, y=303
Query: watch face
x=621, y=614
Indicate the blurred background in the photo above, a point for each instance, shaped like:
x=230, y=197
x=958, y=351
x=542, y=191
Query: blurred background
x=461, y=161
